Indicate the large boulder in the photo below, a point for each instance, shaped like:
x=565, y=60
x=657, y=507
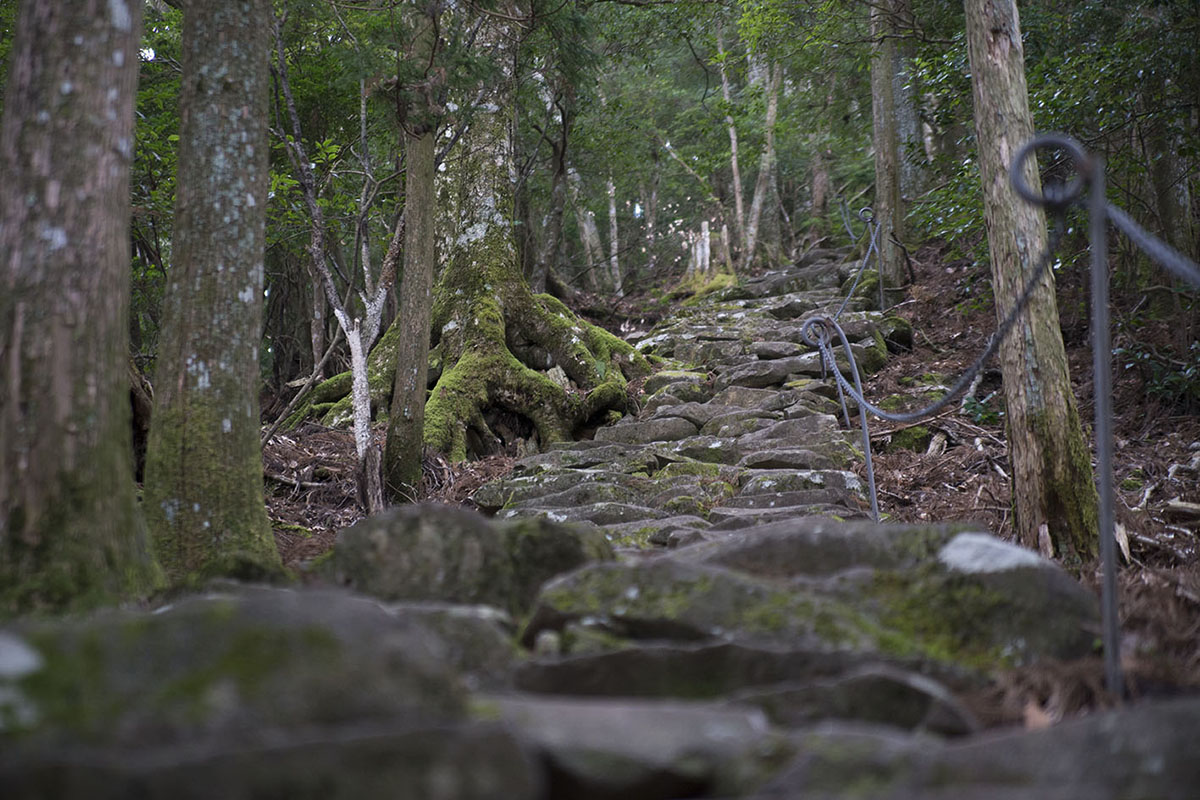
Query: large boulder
x=934, y=593
x=1144, y=751
x=243, y=693
x=433, y=552
x=663, y=598
x=598, y=749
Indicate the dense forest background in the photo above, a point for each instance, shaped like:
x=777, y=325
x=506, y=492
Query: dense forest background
x=632, y=106
x=632, y=152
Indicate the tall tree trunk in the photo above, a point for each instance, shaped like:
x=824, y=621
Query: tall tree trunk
x=1051, y=465
x=821, y=170
x=589, y=233
x=739, y=206
x=889, y=206
x=614, y=240
x=651, y=211
x=204, y=492
x=497, y=340
x=560, y=108
x=766, y=164
x=909, y=139
x=547, y=261
x=70, y=534
x=316, y=321
x=406, y=424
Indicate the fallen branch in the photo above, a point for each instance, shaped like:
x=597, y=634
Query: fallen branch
x=296, y=482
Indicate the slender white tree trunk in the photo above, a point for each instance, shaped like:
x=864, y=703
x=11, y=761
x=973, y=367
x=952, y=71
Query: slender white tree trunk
x=739, y=206
x=589, y=232
x=614, y=239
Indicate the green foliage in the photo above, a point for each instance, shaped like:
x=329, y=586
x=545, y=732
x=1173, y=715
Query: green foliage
x=1175, y=381
x=8, y=26
x=153, y=178
x=982, y=412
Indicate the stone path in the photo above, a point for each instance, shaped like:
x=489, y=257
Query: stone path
x=694, y=604
x=739, y=428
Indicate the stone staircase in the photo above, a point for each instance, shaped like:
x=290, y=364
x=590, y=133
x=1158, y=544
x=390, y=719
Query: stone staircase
x=738, y=429
x=693, y=604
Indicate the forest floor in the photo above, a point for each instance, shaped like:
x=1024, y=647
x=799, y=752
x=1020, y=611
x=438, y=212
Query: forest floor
x=962, y=476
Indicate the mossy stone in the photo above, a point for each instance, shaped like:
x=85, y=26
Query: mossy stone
x=915, y=438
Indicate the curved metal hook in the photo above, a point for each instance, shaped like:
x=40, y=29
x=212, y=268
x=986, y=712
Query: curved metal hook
x=866, y=214
x=1055, y=196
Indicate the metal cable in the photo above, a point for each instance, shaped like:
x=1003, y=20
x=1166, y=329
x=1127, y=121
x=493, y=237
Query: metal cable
x=818, y=331
x=867, y=215
x=1166, y=256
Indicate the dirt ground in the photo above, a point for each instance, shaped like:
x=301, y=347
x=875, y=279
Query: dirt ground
x=959, y=472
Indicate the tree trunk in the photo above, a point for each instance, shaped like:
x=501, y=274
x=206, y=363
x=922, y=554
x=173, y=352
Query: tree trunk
x=734, y=165
x=70, y=534
x=766, y=166
x=561, y=108
x=909, y=139
x=889, y=206
x=1051, y=466
x=406, y=424
x=547, y=261
x=614, y=240
x=204, y=495
x=651, y=211
x=821, y=171
x=316, y=321
x=589, y=233
x=495, y=339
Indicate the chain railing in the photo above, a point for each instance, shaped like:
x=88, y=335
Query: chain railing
x=824, y=332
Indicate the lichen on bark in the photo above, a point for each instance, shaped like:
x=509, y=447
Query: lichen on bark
x=204, y=495
x=70, y=534
x=506, y=365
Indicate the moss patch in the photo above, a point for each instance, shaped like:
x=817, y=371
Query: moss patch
x=915, y=439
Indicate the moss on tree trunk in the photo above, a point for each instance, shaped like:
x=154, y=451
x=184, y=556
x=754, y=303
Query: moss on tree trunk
x=484, y=316
x=1053, y=489
x=70, y=533
x=496, y=344
x=204, y=495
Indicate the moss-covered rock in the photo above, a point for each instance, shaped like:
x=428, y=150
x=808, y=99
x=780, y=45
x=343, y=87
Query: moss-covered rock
x=677, y=600
x=431, y=552
x=668, y=377
x=915, y=438
x=223, y=665
x=309, y=694
x=931, y=593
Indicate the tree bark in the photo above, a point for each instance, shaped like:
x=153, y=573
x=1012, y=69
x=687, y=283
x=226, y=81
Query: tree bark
x=70, y=534
x=651, y=211
x=406, y=423
x=560, y=109
x=1051, y=465
x=496, y=340
x=889, y=206
x=766, y=166
x=739, y=206
x=204, y=495
x=614, y=240
x=909, y=139
x=821, y=170
x=589, y=232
